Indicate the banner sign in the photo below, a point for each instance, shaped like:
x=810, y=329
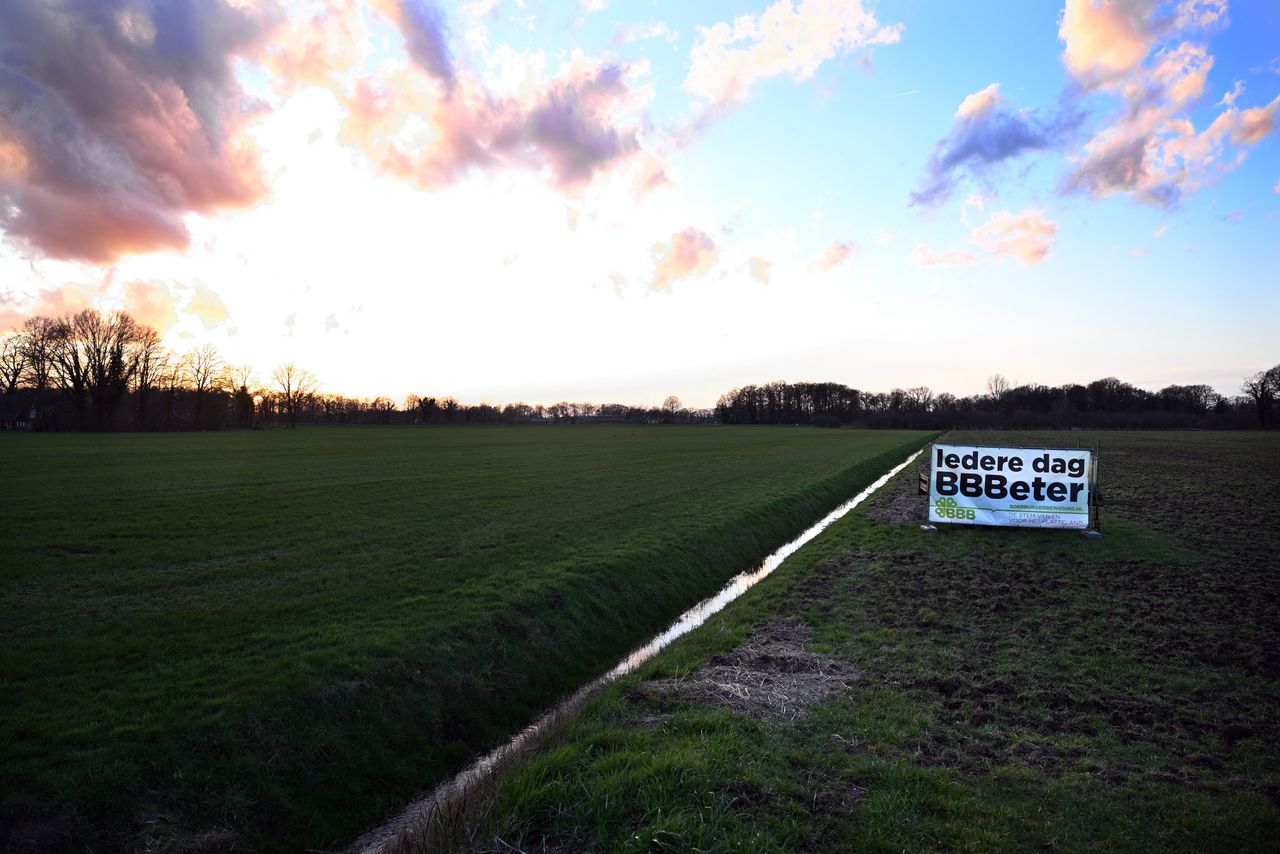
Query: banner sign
x=1019, y=487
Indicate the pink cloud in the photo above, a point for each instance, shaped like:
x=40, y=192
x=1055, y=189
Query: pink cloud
x=1152, y=149
x=151, y=303
x=157, y=304
x=318, y=48
x=1027, y=236
x=119, y=123
x=728, y=59
x=836, y=253
x=923, y=256
x=688, y=253
x=574, y=126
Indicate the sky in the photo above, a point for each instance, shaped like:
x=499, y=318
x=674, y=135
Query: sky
x=611, y=201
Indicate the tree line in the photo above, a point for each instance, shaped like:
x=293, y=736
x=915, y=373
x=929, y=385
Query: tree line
x=1102, y=404
x=93, y=371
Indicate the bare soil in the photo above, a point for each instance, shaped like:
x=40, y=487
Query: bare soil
x=898, y=502
x=769, y=676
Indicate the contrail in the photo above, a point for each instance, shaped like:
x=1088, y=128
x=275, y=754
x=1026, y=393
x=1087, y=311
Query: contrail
x=900, y=94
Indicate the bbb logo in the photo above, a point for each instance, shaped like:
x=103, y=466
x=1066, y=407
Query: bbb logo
x=945, y=508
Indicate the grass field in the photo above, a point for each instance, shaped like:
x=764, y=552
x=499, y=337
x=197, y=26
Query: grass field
x=273, y=639
x=985, y=688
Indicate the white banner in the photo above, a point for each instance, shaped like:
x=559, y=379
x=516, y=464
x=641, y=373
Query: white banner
x=1020, y=487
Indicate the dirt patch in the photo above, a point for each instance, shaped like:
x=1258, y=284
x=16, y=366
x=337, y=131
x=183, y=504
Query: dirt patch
x=898, y=502
x=770, y=676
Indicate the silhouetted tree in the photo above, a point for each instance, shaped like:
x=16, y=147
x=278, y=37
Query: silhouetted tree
x=1263, y=388
x=294, y=387
x=13, y=363
x=94, y=358
x=37, y=342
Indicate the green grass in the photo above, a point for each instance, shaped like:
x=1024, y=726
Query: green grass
x=277, y=638
x=1021, y=689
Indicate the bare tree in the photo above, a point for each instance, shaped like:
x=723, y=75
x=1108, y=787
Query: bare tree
x=241, y=382
x=152, y=363
x=413, y=408
x=671, y=408
x=1263, y=388
x=241, y=376
x=920, y=398
x=94, y=358
x=997, y=386
x=203, y=368
x=294, y=387
x=13, y=363
x=38, y=336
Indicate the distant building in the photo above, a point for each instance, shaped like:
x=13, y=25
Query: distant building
x=21, y=418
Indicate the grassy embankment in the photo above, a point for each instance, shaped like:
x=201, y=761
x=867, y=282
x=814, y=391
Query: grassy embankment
x=273, y=639
x=1017, y=690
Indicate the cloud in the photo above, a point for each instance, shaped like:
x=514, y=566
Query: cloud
x=426, y=36
x=1233, y=216
x=836, y=253
x=1152, y=60
x=51, y=302
x=979, y=102
x=630, y=33
x=585, y=120
x=158, y=304
x=881, y=236
x=319, y=47
x=1027, y=236
x=761, y=269
x=1159, y=232
x=205, y=304
x=1201, y=13
x=688, y=253
x=1229, y=98
x=923, y=256
x=983, y=136
x=728, y=59
x=1158, y=157
x=117, y=119
x=1105, y=40
x=152, y=304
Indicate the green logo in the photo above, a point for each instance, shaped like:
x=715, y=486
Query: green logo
x=945, y=508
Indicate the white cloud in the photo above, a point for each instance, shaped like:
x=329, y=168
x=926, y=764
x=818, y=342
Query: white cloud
x=728, y=59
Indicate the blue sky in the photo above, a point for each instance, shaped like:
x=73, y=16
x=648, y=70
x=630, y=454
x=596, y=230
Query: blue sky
x=620, y=201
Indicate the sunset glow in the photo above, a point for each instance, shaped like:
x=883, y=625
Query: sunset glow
x=511, y=200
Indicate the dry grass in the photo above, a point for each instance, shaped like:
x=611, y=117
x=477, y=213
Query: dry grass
x=770, y=676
